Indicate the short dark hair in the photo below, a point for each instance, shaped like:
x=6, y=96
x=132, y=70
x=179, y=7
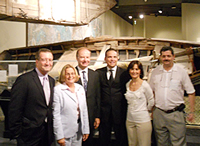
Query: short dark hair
x=37, y=55
x=132, y=63
x=81, y=48
x=110, y=49
x=166, y=48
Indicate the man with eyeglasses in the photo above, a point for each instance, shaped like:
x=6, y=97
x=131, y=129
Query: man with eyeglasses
x=168, y=82
x=30, y=109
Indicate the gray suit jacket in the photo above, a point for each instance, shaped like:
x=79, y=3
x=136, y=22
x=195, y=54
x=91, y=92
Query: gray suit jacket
x=65, y=111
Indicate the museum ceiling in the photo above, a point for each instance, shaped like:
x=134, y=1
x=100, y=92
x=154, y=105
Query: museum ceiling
x=133, y=8
x=81, y=12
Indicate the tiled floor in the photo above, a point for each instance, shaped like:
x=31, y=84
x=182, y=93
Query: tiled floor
x=5, y=141
x=192, y=137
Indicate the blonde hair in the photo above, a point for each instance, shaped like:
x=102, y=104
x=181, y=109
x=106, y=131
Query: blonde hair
x=63, y=73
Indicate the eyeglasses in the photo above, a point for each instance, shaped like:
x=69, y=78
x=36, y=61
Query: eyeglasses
x=46, y=60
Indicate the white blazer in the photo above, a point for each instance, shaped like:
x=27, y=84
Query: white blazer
x=65, y=111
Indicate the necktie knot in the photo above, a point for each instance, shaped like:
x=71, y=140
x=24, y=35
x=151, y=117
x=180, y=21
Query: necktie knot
x=84, y=81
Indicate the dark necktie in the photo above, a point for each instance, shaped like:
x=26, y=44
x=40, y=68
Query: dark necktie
x=111, y=76
x=84, y=81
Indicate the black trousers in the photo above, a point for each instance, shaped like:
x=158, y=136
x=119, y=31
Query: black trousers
x=34, y=136
x=105, y=130
x=90, y=141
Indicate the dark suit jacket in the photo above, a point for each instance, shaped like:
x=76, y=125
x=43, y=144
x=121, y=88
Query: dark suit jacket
x=113, y=102
x=92, y=95
x=28, y=108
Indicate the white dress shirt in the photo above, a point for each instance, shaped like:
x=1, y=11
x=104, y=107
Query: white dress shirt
x=169, y=86
x=114, y=69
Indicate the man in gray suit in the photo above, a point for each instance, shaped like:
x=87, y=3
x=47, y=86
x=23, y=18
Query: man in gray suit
x=90, y=81
x=30, y=109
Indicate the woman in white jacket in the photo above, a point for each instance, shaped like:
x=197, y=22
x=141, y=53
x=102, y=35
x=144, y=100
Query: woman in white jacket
x=70, y=112
x=140, y=101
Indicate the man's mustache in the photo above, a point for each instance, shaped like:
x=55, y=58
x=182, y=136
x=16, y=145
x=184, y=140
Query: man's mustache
x=166, y=60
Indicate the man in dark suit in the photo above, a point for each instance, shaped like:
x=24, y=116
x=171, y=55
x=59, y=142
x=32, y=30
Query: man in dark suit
x=30, y=109
x=113, y=103
x=90, y=81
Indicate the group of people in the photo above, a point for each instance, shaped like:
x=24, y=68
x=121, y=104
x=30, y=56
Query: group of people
x=110, y=99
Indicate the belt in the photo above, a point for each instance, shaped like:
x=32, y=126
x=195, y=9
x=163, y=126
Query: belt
x=167, y=111
x=179, y=108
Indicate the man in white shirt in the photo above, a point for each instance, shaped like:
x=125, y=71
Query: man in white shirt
x=168, y=81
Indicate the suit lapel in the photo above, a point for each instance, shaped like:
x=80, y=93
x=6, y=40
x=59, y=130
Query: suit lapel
x=117, y=75
x=70, y=95
x=90, y=79
x=79, y=81
x=105, y=75
x=51, y=89
x=38, y=84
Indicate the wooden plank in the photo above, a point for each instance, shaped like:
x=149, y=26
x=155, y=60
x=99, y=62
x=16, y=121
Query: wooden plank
x=64, y=12
x=2, y=3
x=9, y=7
x=2, y=10
x=101, y=56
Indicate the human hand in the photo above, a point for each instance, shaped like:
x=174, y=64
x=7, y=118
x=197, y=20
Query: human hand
x=96, y=123
x=85, y=137
x=190, y=117
x=61, y=142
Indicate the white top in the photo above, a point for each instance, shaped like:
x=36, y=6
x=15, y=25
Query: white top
x=139, y=102
x=169, y=86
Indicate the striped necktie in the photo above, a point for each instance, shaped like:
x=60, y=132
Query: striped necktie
x=84, y=81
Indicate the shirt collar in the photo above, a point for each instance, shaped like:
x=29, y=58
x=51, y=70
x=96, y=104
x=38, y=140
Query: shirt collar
x=80, y=70
x=65, y=87
x=40, y=74
x=174, y=68
x=114, y=68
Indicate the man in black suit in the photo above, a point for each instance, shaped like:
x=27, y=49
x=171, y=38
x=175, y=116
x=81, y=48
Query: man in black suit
x=30, y=109
x=113, y=103
x=90, y=81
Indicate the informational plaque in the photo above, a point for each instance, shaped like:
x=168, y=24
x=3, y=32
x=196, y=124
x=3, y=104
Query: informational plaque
x=3, y=76
x=13, y=69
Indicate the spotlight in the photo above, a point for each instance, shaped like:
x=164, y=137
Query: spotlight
x=130, y=17
x=173, y=7
x=160, y=11
x=141, y=16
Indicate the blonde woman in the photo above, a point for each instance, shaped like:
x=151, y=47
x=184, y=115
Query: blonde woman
x=70, y=112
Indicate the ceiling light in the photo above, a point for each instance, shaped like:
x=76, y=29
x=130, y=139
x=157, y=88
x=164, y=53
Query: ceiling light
x=130, y=17
x=117, y=6
x=135, y=22
x=141, y=16
x=173, y=7
x=160, y=11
